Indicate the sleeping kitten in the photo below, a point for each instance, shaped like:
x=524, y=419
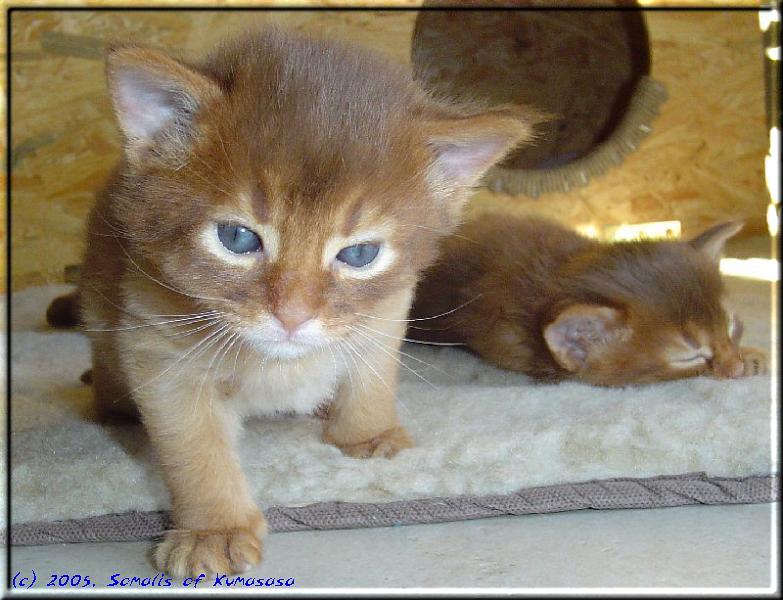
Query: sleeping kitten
x=272, y=201
x=529, y=295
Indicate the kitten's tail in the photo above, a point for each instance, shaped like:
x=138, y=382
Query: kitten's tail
x=64, y=311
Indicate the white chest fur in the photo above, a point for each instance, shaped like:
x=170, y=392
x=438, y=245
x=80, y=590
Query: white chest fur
x=258, y=387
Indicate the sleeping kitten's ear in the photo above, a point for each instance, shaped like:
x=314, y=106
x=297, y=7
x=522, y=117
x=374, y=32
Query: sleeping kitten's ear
x=712, y=241
x=465, y=147
x=583, y=331
x=155, y=99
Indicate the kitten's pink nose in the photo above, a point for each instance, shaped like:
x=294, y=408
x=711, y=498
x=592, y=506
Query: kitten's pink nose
x=292, y=316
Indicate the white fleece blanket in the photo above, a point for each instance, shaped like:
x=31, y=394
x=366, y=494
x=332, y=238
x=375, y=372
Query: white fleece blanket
x=478, y=430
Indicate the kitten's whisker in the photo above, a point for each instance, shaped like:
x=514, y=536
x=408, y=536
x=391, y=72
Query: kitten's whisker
x=413, y=423
x=366, y=362
x=368, y=335
x=420, y=328
x=380, y=347
x=448, y=312
x=240, y=347
x=393, y=392
x=221, y=352
x=191, y=332
x=127, y=312
x=229, y=343
x=203, y=347
x=176, y=323
x=334, y=365
x=211, y=311
x=352, y=353
x=409, y=340
x=172, y=365
x=424, y=362
x=164, y=285
x=423, y=343
x=221, y=342
x=345, y=364
x=151, y=278
x=110, y=235
x=112, y=227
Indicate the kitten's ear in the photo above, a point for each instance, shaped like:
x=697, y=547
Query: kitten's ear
x=155, y=98
x=465, y=147
x=712, y=241
x=582, y=331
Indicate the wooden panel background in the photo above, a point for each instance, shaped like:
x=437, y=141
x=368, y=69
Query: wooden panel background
x=703, y=162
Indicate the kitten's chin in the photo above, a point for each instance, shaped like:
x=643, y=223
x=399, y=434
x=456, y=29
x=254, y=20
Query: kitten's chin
x=283, y=350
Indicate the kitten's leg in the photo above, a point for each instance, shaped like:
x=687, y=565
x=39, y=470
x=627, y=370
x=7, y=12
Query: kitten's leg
x=362, y=420
x=755, y=361
x=365, y=425
x=217, y=526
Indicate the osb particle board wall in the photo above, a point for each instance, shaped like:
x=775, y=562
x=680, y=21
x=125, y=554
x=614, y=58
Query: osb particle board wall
x=702, y=163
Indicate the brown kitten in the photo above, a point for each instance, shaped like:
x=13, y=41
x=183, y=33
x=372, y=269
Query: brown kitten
x=271, y=200
x=538, y=298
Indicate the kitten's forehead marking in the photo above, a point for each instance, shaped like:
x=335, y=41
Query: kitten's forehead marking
x=270, y=239
x=254, y=214
x=353, y=218
x=258, y=203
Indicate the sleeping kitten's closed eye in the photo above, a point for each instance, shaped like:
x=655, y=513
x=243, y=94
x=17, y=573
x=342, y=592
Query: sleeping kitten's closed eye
x=715, y=350
x=687, y=350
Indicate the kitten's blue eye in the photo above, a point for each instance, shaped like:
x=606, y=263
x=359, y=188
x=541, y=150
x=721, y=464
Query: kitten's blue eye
x=238, y=239
x=359, y=255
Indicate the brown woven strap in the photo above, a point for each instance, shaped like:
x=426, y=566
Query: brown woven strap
x=653, y=492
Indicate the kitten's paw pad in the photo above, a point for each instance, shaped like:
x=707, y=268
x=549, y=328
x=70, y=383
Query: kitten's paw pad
x=385, y=445
x=755, y=361
x=189, y=553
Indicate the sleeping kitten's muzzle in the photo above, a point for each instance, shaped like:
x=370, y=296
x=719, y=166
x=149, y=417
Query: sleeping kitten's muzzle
x=727, y=363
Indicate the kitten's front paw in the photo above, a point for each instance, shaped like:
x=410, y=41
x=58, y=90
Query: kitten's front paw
x=385, y=445
x=186, y=553
x=755, y=361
